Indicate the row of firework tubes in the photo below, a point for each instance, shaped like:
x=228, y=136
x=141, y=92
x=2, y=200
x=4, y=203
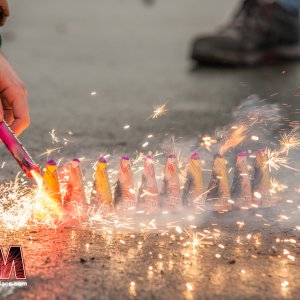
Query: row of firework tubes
x=65, y=185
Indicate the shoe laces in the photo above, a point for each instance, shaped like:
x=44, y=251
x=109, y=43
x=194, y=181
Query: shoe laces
x=245, y=17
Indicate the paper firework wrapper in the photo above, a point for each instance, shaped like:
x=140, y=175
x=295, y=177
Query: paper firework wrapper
x=193, y=188
x=70, y=175
x=218, y=195
x=261, y=181
x=48, y=205
x=171, y=192
x=101, y=194
x=241, y=186
x=148, y=191
x=50, y=182
x=124, y=198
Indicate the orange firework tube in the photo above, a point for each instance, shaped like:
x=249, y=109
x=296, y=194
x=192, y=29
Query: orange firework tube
x=148, y=191
x=124, y=197
x=261, y=181
x=241, y=186
x=171, y=192
x=101, y=195
x=51, y=183
x=71, y=178
x=218, y=189
x=193, y=188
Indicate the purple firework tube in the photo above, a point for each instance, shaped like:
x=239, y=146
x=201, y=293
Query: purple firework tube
x=17, y=150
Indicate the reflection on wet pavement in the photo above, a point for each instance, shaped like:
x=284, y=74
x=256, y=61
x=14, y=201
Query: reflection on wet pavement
x=236, y=263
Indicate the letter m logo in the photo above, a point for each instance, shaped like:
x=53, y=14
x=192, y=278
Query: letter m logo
x=14, y=259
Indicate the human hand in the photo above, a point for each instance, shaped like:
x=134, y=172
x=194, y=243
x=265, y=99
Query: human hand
x=4, y=11
x=13, y=94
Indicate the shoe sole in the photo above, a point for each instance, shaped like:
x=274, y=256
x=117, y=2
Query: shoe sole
x=288, y=53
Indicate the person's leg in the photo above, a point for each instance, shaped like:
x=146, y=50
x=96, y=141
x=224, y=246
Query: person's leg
x=260, y=30
x=289, y=4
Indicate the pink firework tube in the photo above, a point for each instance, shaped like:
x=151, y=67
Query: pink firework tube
x=193, y=188
x=218, y=189
x=171, y=192
x=241, y=187
x=148, y=191
x=71, y=179
x=124, y=198
x=261, y=181
x=17, y=150
x=101, y=194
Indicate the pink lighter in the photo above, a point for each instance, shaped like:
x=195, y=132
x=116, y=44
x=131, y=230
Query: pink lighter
x=17, y=150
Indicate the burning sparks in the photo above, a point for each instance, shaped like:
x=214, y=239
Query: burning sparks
x=50, y=151
x=289, y=141
x=19, y=202
x=275, y=160
x=237, y=135
x=46, y=208
x=172, y=170
x=207, y=142
x=54, y=138
x=189, y=286
x=158, y=111
x=22, y=205
x=16, y=203
x=277, y=187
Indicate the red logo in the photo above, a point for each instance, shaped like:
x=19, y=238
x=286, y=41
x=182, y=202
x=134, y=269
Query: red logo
x=13, y=260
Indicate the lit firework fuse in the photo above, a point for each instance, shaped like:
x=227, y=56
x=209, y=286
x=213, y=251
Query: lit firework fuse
x=241, y=186
x=261, y=181
x=17, y=150
x=51, y=183
x=171, y=192
x=193, y=188
x=218, y=189
x=124, y=198
x=101, y=194
x=148, y=191
x=71, y=179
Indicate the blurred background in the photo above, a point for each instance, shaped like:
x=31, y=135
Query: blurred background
x=94, y=66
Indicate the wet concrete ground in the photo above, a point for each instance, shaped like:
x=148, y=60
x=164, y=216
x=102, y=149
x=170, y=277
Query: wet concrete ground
x=134, y=55
x=70, y=263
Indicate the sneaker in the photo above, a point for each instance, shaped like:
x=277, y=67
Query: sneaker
x=260, y=31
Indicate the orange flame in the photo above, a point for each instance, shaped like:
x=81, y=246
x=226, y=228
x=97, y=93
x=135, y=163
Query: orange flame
x=46, y=209
x=236, y=137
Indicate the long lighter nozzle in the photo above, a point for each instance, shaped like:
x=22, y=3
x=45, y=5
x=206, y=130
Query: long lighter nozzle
x=17, y=150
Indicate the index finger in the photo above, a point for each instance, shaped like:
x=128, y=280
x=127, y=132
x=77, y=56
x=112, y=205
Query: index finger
x=18, y=98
